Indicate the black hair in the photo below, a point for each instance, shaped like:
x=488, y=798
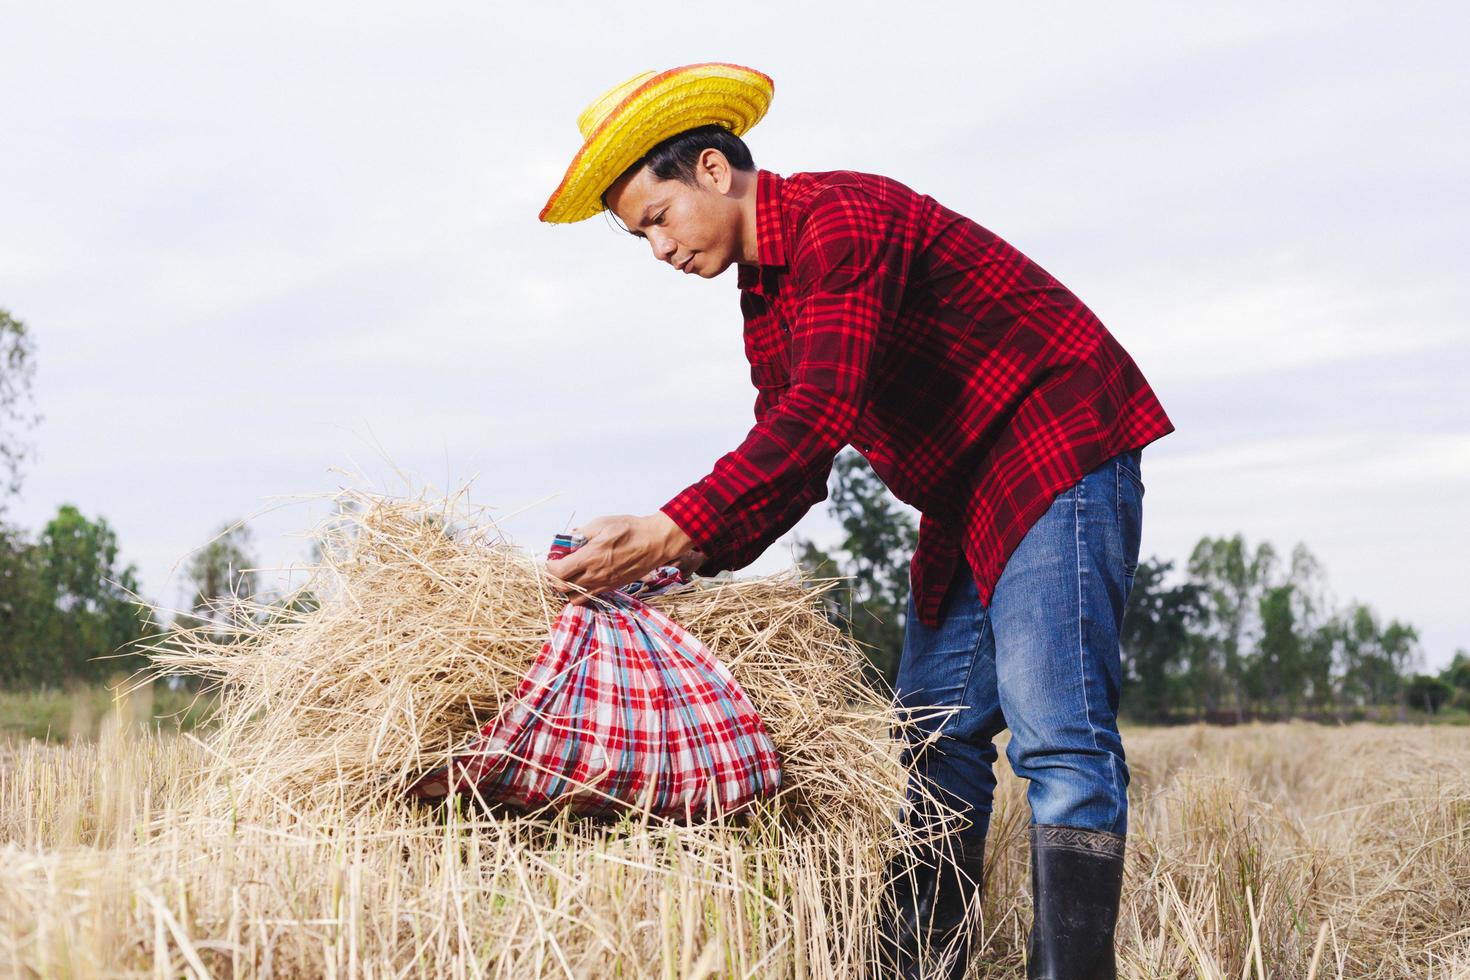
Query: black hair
x=677, y=157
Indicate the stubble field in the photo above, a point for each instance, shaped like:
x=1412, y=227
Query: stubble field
x=1261, y=851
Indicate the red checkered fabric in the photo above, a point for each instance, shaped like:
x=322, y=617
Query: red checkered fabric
x=623, y=708
x=976, y=384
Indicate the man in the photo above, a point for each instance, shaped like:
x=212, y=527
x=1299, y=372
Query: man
x=983, y=393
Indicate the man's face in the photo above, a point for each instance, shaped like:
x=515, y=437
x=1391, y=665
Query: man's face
x=693, y=228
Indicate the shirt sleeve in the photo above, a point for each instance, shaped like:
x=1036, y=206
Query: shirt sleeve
x=741, y=550
x=847, y=275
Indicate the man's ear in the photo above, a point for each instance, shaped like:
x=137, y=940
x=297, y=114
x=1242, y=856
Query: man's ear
x=714, y=166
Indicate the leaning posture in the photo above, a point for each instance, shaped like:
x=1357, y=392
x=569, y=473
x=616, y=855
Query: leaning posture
x=983, y=393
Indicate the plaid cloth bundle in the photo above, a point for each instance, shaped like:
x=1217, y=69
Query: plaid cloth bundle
x=622, y=709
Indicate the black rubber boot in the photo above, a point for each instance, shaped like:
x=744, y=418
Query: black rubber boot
x=1076, y=883
x=927, y=934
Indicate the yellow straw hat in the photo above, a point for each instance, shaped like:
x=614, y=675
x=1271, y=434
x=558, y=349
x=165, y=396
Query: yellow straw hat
x=628, y=120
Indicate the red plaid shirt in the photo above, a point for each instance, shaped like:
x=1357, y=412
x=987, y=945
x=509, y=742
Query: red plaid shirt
x=977, y=386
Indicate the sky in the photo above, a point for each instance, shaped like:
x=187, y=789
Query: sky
x=269, y=249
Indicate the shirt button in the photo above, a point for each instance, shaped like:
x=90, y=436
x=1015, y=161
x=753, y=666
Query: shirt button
x=864, y=448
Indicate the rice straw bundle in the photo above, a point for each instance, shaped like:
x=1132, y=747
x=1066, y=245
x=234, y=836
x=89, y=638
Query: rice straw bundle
x=422, y=619
x=416, y=627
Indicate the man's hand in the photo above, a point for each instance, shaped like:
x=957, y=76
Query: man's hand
x=690, y=561
x=620, y=550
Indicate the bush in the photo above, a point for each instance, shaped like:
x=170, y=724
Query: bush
x=1427, y=693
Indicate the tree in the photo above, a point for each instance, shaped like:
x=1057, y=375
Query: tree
x=1400, y=645
x=1375, y=659
x=1234, y=580
x=1316, y=628
x=1320, y=656
x=218, y=573
x=1457, y=674
x=879, y=539
x=1428, y=693
x=75, y=610
x=17, y=370
x=24, y=619
x=1159, y=641
x=1362, y=668
x=1276, y=672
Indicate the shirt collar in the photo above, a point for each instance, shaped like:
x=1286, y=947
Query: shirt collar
x=770, y=239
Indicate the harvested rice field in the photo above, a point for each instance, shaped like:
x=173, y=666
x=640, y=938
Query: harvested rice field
x=1256, y=852
x=276, y=840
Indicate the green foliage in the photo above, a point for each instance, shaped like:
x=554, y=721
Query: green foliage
x=1233, y=579
x=879, y=537
x=1457, y=674
x=68, y=612
x=1267, y=642
x=1375, y=659
x=1160, y=641
x=1428, y=693
x=1276, y=673
x=1242, y=634
x=25, y=610
x=217, y=574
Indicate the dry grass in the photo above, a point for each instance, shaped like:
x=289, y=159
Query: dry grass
x=1290, y=850
x=423, y=622
x=1255, y=852
x=278, y=845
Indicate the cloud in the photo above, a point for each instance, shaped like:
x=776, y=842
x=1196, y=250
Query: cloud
x=255, y=243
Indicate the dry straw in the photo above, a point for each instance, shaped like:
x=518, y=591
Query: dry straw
x=415, y=628
x=1295, y=850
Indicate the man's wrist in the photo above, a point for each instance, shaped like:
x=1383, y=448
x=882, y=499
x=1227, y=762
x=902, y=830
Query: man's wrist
x=675, y=541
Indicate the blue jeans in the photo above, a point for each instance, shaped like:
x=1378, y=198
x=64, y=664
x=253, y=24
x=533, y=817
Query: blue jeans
x=1041, y=659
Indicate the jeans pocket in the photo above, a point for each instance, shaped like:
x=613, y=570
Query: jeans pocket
x=1130, y=512
x=1130, y=464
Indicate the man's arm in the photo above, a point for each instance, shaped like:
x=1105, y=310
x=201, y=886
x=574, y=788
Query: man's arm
x=848, y=273
x=733, y=554
x=737, y=553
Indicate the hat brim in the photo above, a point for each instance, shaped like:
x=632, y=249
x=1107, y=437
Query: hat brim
x=728, y=95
